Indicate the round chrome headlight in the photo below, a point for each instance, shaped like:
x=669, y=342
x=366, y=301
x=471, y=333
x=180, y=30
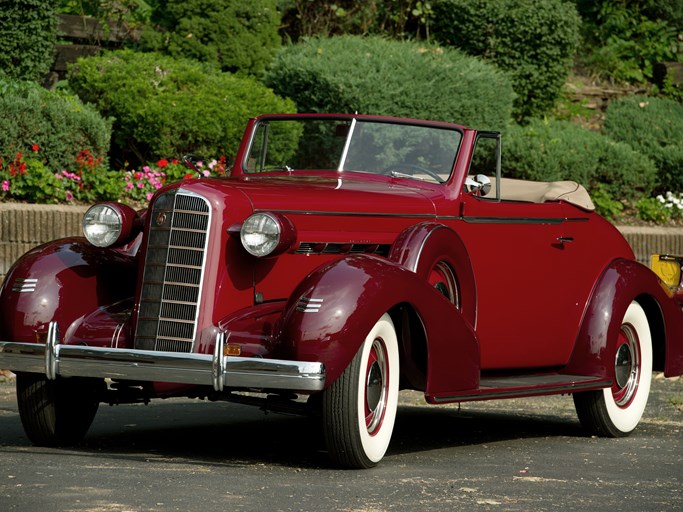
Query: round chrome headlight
x=260, y=234
x=102, y=225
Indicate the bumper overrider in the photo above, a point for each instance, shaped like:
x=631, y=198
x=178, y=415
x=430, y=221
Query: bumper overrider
x=216, y=370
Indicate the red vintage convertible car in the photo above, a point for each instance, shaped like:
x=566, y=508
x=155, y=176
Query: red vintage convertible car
x=346, y=257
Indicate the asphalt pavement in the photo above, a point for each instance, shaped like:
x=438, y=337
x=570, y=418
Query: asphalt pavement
x=186, y=455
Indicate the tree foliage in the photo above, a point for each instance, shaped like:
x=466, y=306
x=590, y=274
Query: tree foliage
x=623, y=39
x=396, y=19
x=28, y=32
x=232, y=34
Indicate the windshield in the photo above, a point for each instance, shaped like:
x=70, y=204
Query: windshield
x=356, y=145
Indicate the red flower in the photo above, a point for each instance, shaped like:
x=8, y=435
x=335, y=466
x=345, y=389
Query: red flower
x=162, y=163
x=35, y=148
x=18, y=166
x=188, y=176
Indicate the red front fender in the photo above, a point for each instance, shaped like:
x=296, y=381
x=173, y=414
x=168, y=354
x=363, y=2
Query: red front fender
x=333, y=309
x=62, y=281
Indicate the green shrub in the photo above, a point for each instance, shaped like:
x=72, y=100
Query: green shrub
x=232, y=34
x=165, y=107
x=28, y=32
x=534, y=41
x=560, y=150
x=654, y=127
x=54, y=121
x=376, y=76
x=604, y=203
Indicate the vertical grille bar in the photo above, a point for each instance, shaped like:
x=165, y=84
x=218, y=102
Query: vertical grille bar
x=173, y=273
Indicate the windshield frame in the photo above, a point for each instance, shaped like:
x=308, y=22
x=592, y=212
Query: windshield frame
x=353, y=119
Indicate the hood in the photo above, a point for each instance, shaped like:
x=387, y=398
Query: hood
x=312, y=194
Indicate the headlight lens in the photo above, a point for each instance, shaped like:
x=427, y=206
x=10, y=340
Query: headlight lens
x=260, y=234
x=102, y=225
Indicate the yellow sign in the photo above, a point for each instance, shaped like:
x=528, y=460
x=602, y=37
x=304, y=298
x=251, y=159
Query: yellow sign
x=668, y=268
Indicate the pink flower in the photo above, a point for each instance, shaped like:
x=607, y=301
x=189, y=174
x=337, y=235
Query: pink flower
x=58, y=176
x=5, y=186
x=206, y=173
x=213, y=164
x=141, y=185
x=69, y=196
x=129, y=186
x=149, y=196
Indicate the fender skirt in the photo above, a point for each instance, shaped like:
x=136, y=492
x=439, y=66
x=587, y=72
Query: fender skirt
x=622, y=282
x=333, y=309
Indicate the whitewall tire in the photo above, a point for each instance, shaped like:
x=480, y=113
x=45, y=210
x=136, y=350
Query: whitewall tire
x=359, y=409
x=616, y=411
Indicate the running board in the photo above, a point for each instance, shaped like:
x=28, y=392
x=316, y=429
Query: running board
x=522, y=386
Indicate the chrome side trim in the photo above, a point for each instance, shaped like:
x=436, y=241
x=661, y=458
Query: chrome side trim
x=216, y=370
x=309, y=305
x=24, y=285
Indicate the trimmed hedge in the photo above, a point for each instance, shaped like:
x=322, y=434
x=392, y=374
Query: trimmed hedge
x=534, y=41
x=232, y=34
x=547, y=150
x=375, y=76
x=56, y=122
x=165, y=107
x=28, y=33
x=654, y=127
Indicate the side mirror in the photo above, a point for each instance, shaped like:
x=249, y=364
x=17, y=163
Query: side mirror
x=480, y=184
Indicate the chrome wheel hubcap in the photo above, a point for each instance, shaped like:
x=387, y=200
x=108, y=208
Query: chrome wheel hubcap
x=376, y=386
x=626, y=366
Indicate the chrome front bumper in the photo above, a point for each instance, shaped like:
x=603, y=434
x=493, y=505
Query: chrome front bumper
x=217, y=370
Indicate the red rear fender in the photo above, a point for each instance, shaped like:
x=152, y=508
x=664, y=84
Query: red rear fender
x=622, y=282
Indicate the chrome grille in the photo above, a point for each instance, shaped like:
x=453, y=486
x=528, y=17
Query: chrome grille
x=174, y=267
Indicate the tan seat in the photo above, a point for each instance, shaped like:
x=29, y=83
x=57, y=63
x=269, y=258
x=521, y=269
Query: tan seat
x=542, y=191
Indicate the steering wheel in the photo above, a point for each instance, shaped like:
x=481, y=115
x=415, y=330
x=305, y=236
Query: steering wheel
x=412, y=169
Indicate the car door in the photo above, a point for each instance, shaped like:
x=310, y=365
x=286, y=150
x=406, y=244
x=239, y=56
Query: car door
x=535, y=264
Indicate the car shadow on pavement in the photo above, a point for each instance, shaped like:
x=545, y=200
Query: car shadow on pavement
x=232, y=434
x=235, y=435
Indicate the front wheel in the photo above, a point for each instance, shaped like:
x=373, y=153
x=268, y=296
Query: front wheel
x=616, y=411
x=359, y=408
x=57, y=412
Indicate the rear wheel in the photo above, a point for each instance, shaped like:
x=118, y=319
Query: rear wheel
x=442, y=277
x=359, y=409
x=57, y=412
x=616, y=411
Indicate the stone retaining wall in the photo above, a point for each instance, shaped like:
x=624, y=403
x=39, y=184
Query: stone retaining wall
x=24, y=226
